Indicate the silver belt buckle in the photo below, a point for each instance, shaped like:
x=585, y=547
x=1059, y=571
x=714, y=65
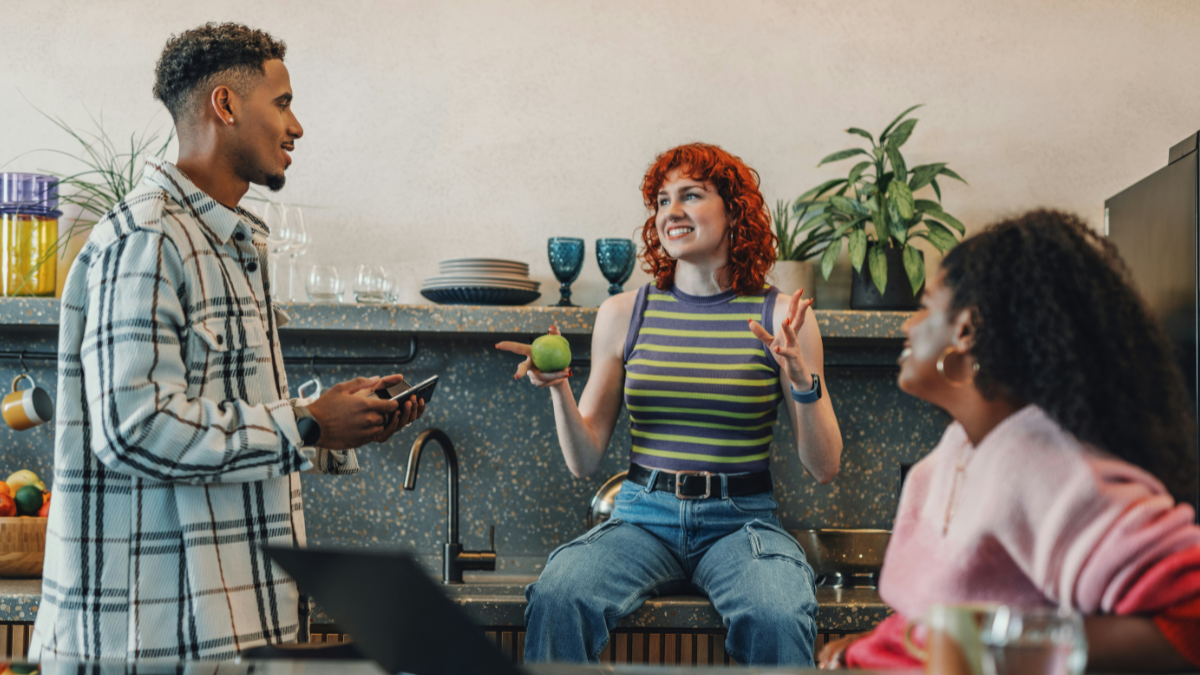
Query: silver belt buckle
x=707, y=484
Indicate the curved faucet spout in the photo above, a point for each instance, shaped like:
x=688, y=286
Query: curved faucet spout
x=410, y=476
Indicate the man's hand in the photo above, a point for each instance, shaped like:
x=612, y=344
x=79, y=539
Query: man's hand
x=349, y=416
x=408, y=413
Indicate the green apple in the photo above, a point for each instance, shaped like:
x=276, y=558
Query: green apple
x=551, y=353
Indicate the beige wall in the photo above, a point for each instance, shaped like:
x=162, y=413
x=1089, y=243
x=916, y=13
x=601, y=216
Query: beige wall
x=441, y=129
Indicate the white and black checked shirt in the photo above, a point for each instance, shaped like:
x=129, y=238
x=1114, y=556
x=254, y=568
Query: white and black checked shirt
x=176, y=451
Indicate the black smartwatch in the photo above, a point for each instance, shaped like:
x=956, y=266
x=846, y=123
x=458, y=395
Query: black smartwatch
x=811, y=396
x=307, y=425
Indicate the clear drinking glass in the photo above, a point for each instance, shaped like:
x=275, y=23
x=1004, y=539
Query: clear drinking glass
x=279, y=239
x=1034, y=641
x=324, y=285
x=372, y=285
x=298, y=243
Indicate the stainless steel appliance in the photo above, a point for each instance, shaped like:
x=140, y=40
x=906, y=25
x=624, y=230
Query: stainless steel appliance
x=1155, y=224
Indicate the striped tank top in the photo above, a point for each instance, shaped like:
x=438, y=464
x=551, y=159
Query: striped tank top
x=701, y=390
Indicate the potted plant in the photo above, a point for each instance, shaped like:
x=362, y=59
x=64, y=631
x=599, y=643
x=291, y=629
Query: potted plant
x=879, y=192
x=794, y=269
x=107, y=174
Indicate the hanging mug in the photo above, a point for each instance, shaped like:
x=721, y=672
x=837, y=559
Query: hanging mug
x=27, y=408
x=308, y=399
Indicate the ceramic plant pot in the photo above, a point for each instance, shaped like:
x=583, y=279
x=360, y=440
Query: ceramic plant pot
x=790, y=276
x=898, y=295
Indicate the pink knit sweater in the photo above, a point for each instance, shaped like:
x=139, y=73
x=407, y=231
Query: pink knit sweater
x=1039, y=519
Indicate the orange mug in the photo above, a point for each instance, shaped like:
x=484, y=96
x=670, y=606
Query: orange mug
x=26, y=408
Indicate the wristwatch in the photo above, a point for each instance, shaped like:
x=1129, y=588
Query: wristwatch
x=811, y=396
x=307, y=425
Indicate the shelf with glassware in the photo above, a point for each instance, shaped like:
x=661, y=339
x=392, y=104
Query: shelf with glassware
x=464, y=319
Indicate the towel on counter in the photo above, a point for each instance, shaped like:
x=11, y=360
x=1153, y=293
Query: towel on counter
x=1037, y=518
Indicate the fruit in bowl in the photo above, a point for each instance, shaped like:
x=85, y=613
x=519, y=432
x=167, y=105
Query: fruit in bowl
x=24, y=504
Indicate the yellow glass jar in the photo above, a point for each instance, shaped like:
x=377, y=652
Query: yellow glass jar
x=27, y=264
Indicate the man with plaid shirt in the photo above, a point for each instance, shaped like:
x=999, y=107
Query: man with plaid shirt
x=176, y=447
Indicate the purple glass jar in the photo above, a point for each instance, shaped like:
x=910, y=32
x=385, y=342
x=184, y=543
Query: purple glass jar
x=33, y=193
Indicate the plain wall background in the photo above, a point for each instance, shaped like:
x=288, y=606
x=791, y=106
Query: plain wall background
x=447, y=129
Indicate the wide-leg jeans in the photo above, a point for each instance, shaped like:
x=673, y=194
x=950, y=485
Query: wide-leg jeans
x=732, y=549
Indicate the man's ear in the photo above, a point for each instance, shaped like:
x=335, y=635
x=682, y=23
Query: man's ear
x=222, y=102
x=964, y=330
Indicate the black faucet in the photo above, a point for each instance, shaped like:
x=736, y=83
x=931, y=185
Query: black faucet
x=454, y=558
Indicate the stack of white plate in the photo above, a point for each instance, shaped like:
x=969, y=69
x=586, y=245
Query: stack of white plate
x=482, y=273
x=482, y=281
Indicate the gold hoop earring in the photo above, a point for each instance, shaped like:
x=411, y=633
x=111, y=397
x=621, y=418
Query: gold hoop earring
x=941, y=368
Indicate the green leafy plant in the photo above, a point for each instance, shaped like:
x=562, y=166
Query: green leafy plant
x=108, y=173
x=879, y=192
x=788, y=228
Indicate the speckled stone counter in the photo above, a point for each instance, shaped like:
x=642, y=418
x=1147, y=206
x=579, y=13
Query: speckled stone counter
x=500, y=601
x=464, y=319
x=512, y=472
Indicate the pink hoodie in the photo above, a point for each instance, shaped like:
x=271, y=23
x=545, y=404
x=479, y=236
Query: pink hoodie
x=1039, y=519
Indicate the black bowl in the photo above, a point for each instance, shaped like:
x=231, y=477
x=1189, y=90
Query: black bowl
x=480, y=295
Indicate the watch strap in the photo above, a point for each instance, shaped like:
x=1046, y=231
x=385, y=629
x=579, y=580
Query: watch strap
x=307, y=425
x=811, y=396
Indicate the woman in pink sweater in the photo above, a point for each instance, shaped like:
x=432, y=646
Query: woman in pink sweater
x=1065, y=477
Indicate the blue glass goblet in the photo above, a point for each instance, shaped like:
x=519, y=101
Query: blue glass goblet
x=566, y=260
x=616, y=257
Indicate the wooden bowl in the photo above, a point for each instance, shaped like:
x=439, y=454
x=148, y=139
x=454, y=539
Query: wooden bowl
x=22, y=546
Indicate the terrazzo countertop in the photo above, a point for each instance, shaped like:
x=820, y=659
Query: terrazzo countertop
x=500, y=601
x=465, y=319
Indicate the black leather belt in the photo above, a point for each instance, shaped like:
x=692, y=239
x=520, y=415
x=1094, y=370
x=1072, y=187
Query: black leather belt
x=702, y=484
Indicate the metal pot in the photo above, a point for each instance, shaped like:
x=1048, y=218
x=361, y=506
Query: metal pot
x=844, y=557
x=604, y=500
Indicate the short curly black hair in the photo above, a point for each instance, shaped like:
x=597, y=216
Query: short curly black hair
x=1057, y=323
x=201, y=55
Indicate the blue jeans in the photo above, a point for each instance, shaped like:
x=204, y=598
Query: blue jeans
x=731, y=549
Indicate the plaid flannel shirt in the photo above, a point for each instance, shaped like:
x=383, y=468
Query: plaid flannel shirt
x=176, y=450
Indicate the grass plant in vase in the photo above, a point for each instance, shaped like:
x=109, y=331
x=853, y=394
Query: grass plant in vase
x=879, y=192
x=794, y=268
x=109, y=172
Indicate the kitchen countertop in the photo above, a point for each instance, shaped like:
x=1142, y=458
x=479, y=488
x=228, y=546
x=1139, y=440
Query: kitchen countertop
x=500, y=601
x=463, y=319
x=368, y=668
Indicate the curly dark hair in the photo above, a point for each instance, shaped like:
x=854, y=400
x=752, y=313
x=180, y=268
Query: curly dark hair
x=1058, y=323
x=201, y=55
x=752, y=249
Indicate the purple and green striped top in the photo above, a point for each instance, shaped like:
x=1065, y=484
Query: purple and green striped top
x=701, y=390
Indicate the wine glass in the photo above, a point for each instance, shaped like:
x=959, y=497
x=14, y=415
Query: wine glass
x=324, y=285
x=278, y=239
x=615, y=257
x=372, y=285
x=298, y=236
x=566, y=260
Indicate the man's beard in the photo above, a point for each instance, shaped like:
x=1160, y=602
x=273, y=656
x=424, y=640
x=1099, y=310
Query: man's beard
x=275, y=182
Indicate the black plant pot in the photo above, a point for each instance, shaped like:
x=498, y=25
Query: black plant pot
x=899, y=295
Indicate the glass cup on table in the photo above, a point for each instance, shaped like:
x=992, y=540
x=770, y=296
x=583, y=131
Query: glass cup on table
x=372, y=285
x=324, y=285
x=1033, y=641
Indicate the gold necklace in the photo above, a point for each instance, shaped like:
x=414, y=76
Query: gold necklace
x=960, y=468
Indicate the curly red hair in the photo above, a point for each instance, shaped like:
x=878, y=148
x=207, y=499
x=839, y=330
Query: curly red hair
x=752, y=249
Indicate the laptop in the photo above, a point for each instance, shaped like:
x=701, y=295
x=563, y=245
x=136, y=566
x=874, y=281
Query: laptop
x=395, y=612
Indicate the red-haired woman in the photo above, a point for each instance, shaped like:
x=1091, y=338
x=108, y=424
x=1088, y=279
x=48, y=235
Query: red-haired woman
x=697, y=359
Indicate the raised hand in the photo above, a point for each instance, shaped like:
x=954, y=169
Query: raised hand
x=785, y=345
x=526, y=368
